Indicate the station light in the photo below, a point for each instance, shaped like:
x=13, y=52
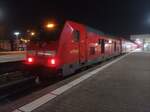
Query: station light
x=50, y=25
x=110, y=41
x=138, y=41
x=146, y=45
x=16, y=33
x=128, y=46
x=106, y=45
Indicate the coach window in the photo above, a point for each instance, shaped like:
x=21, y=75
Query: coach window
x=99, y=42
x=76, y=36
x=92, y=50
x=115, y=46
x=103, y=46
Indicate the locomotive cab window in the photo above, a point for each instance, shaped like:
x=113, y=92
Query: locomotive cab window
x=48, y=34
x=76, y=36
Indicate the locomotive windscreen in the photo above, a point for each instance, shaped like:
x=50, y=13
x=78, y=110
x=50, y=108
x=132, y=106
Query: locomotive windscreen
x=48, y=34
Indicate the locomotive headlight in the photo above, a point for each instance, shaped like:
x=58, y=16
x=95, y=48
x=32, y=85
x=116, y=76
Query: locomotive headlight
x=52, y=62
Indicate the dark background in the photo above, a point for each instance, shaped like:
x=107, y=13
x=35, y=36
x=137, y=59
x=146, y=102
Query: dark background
x=116, y=17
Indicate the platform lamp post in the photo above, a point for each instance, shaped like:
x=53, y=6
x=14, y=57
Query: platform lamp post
x=17, y=40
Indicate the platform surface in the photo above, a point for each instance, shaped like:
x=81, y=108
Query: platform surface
x=122, y=87
x=11, y=57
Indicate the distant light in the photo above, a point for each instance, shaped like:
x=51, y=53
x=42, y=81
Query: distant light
x=138, y=41
x=24, y=40
x=16, y=33
x=110, y=41
x=106, y=45
x=145, y=45
x=128, y=46
x=96, y=44
x=32, y=33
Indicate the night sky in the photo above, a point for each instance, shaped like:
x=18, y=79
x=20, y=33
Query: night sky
x=117, y=17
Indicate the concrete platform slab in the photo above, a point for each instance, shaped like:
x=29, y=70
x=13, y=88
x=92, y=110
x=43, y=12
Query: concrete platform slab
x=12, y=58
x=122, y=87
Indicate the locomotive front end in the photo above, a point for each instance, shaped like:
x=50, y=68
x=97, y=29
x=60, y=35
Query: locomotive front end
x=42, y=55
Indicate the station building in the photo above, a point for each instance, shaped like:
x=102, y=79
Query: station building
x=143, y=40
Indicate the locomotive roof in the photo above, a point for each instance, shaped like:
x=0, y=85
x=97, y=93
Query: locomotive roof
x=94, y=30
x=99, y=32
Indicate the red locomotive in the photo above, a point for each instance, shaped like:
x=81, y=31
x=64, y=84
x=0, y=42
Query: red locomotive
x=67, y=48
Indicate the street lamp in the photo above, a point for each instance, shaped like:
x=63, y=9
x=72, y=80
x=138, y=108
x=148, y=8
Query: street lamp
x=17, y=40
x=16, y=34
x=50, y=25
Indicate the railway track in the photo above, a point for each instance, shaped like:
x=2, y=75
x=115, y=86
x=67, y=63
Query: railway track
x=8, y=67
x=13, y=82
x=16, y=84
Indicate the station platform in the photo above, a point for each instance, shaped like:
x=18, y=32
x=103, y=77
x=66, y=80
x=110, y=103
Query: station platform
x=11, y=52
x=12, y=56
x=122, y=85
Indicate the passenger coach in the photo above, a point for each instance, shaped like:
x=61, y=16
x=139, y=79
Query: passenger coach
x=64, y=49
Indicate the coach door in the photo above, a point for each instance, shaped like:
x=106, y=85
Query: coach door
x=76, y=39
x=102, y=46
x=79, y=38
x=115, y=46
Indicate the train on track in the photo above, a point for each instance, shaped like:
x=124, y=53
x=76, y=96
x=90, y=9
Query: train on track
x=63, y=49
